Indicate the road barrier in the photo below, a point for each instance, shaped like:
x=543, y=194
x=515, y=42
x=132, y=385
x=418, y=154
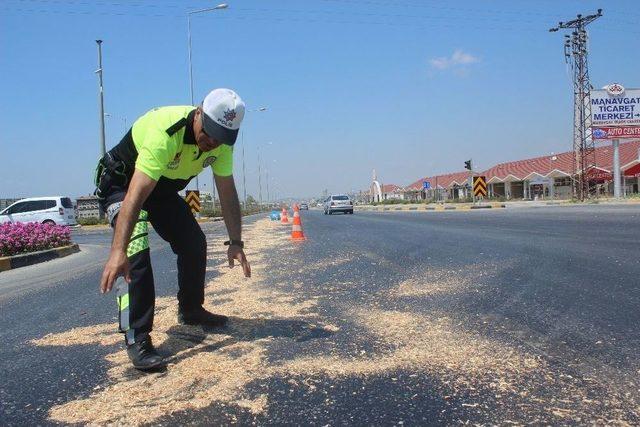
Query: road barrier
x=480, y=186
x=296, y=230
x=193, y=200
x=284, y=218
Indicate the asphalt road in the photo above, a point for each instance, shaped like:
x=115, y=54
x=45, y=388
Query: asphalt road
x=492, y=316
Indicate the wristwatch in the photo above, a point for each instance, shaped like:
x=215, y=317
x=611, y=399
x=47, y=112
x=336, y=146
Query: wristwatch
x=234, y=243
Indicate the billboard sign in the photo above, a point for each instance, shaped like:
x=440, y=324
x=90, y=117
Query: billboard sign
x=598, y=174
x=615, y=106
x=609, y=132
x=615, y=112
x=633, y=172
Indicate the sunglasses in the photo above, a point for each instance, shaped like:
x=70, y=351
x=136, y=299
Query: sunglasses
x=202, y=125
x=205, y=132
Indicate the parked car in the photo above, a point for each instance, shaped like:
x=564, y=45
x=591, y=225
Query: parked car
x=47, y=210
x=338, y=203
x=304, y=206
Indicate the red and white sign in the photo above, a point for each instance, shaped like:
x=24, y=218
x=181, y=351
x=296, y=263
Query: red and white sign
x=597, y=174
x=616, y=132
x=614, y=89
x=633, y=172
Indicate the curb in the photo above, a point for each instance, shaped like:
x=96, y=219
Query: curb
x=438, y=208
x=209, y=219
x=17, y=261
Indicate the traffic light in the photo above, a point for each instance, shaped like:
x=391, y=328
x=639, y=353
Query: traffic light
x=467, y=164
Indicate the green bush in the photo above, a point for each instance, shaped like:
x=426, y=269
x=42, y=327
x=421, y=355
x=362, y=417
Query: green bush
x=91, y=221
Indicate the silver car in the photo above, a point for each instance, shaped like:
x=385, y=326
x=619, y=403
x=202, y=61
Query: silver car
x=338, y=203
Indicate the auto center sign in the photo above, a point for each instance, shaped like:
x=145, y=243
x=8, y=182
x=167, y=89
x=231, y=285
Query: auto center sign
x=615, y=112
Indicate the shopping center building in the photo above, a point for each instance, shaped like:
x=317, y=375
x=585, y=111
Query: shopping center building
x=547, y=177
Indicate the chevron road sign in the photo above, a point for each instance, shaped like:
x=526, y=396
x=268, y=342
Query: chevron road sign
x=479, y=186
x=193, y=200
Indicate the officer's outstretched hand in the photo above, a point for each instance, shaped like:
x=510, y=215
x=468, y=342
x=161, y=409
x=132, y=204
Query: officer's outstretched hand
x=117, y=265
x=236, y=253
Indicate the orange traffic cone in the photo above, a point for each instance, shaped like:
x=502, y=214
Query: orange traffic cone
x=284, y=217
x=296, y=231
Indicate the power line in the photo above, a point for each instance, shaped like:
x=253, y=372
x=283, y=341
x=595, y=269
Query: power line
x=399, y=4
x=103, y=3
x=430, y=7
x=394, y=20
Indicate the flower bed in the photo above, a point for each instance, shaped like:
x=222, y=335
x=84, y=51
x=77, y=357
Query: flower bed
x=19, y=238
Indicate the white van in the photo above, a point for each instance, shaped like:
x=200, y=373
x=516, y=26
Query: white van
x=47, y=210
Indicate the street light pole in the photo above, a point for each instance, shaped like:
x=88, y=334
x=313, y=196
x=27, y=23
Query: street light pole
x=220, y=6
x=267, y=172
x=244, y=174
x=259, y=178
x=103, y=147
x=244, y=179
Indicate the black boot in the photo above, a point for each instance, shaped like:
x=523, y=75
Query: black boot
x=200, y=316
x=144, y=356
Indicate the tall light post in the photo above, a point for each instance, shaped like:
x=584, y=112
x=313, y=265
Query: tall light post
x=267, y=172
x=267, y=180
x=193, y=12
x=103, y=147
x=260, y=174
x=259, y=179
x=244, y=175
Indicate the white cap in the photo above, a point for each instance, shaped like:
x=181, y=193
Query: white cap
x=223, y=112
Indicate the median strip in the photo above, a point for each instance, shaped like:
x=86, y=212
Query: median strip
x=439, y=208
x=23, y=260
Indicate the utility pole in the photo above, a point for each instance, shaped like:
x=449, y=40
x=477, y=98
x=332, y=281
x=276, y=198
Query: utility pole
x=103, y=147
x=576, y=55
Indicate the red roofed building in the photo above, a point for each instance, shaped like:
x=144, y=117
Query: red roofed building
x=441, y=187
x=391, y=191
x=550, y=176
x=541, y=177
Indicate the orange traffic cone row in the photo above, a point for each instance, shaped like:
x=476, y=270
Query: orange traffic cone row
x=284, y=218
x=296, y=231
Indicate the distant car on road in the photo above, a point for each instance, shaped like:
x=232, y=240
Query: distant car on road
x=338, y=203
x=47, y=210
x=304, y=206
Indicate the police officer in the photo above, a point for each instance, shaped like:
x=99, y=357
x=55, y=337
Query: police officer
x=138, y=182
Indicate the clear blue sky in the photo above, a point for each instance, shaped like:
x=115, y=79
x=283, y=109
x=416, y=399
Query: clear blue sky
x=410, y=88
